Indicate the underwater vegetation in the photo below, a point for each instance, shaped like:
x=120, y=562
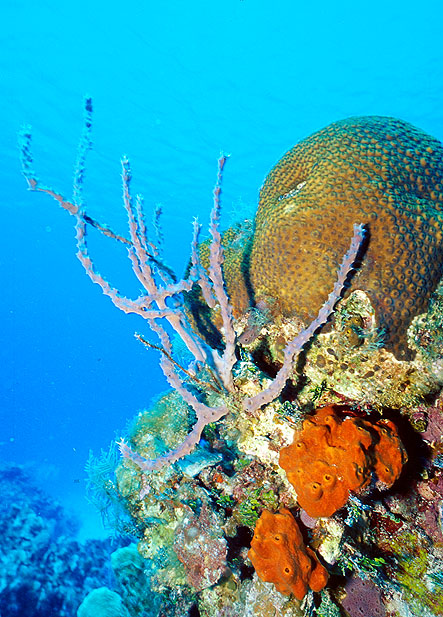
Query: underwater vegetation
x=295, y=467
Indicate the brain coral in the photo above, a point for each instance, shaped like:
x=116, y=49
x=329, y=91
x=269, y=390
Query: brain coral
x=374, y=170
x=279, y=555
x=332, y=457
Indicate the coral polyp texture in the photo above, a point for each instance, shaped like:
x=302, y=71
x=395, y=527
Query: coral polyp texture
x=379, y=170
x=279, y=555
x=331, y=457
x=234, y=456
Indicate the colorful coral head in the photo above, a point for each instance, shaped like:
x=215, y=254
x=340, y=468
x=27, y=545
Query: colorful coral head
x=279, y=556
x=332, y=457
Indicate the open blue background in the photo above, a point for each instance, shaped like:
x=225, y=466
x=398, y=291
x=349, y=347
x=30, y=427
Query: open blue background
x=174, y=82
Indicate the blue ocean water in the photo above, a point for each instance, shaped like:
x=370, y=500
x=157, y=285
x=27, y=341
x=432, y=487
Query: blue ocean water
x=173, y=83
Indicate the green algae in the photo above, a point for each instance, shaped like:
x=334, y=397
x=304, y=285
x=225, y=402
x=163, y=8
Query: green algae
x=258, y=499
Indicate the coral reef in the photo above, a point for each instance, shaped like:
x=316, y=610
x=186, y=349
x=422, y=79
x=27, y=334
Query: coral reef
x=285, y=434
x=161, y=288
x=331, y=457
x=131, y=595
x=44, y=570
x=279, y=556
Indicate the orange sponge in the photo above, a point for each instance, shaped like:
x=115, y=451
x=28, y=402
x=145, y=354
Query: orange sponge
x=389, y=454
x=279, y=556
x=332, y=457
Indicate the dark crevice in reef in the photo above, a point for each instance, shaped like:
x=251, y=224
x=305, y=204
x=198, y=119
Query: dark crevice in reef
x=236, y=545
x=193, y=611
x=417, y=450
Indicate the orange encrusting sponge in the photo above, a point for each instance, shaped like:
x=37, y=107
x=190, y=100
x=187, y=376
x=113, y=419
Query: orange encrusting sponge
x=279, y=555
x=332, y=457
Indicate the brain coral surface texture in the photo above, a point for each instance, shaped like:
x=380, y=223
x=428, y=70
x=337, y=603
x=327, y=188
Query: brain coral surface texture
x=279, y=555
x=332, y=457
x=374, y=170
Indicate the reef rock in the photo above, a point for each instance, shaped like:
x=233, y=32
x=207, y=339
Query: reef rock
x=201, y=547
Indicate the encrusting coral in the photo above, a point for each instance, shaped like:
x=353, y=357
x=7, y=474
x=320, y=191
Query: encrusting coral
x=279, y=555
x=331, y=457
